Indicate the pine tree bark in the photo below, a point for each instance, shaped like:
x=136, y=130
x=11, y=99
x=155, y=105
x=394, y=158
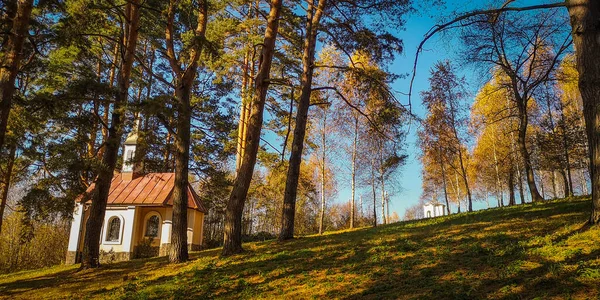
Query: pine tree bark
x=585, y=23
x=178, y=250
x=12, y=61
x=7, y=181
x=179, y=244
x=91, y=247
x=232, y=231
x=106, y=106
x=314, y=13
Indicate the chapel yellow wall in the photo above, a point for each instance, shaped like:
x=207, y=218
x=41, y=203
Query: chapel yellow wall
x=139, y=232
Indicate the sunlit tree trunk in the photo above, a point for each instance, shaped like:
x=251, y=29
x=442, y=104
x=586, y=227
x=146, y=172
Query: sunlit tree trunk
x=554, y=189
x=354, y=148
x=314, y=13
x=232, y=231
x=373, y=189
x=322, y=216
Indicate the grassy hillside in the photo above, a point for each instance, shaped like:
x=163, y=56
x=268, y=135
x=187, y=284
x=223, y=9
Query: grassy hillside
x=528, y=251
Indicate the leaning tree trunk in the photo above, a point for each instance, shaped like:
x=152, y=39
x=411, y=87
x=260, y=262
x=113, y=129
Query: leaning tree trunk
x=522, y=140
x=584, y=16
x=466, y=181
x=232, y=231
x=308, y=57
x=91, y=247
x=12, y=60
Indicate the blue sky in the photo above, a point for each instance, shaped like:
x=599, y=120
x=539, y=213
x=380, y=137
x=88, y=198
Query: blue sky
x=440, y=47
x=443, y=46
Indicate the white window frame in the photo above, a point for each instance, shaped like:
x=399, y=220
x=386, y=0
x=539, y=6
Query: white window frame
x=121, y=231
x=146, y=218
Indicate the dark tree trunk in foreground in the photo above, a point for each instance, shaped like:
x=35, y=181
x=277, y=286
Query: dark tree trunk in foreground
x=232, y=232
x=6, y=181
x=585, y=16
x=511, y=188
x=308, y=57
x=91, y=247
x=12, y=60
x=178, y=250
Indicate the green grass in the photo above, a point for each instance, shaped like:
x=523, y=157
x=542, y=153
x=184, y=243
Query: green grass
x=541, y=251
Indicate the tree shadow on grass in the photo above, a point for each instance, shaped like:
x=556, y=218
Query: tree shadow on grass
x=467, y=256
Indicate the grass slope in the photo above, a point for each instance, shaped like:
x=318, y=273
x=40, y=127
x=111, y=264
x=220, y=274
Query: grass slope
x=532, y=251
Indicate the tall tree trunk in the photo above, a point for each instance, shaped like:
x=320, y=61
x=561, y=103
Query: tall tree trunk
x=382, y=182
x=515, y=156
x=179, y=243
x=520, y=179
x=511, y=188
x=373, y=190
x=584, y=187
x=522, y=139
x=566, y=155
x=183, y=88
x=313, y=17
x=242, y=123
x=12, y=60
x=106, y=115
x=91, y=247
x=354, y=146
x=445, y=185
x=6, y=181
x=91, y=145
x=499, y=195
x=554, y=189
x=466, y=181
x=232, y=233
x=322, y=217
x=565, y=179
x=458, y=196
x=584, y=16
x=360, y=199
x=542, y=184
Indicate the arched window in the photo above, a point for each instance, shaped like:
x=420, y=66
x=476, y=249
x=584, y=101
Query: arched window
x=152, y=225
x=429, y=214
x=113, y=230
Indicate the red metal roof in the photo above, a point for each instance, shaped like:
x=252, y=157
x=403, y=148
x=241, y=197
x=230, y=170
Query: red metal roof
x=153, y=189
